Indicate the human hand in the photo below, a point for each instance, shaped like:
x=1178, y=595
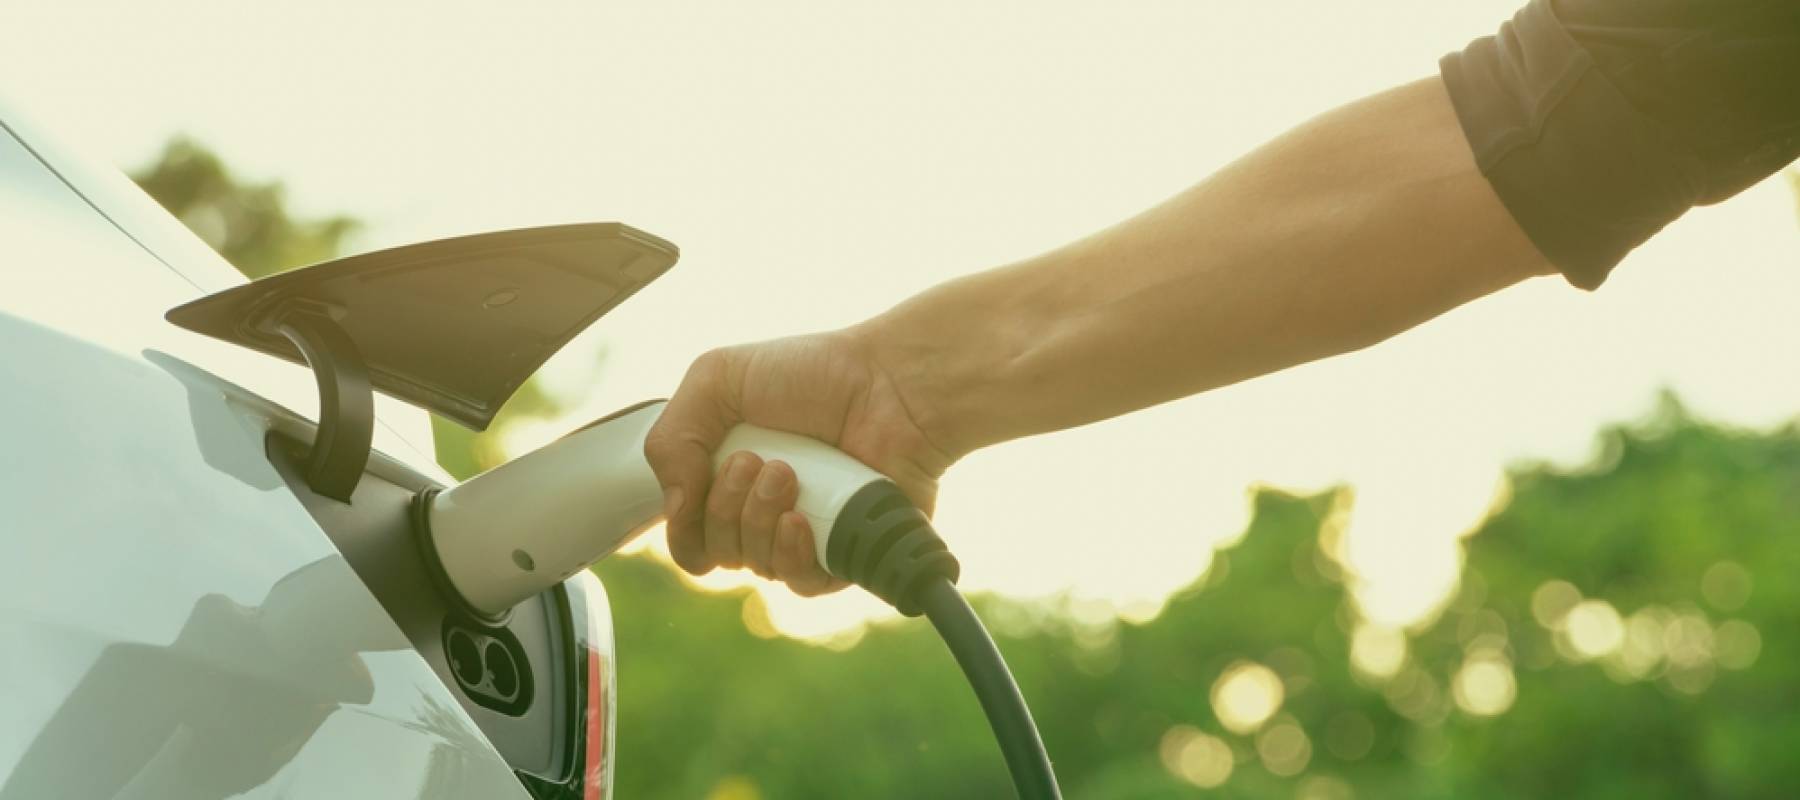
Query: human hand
x=828, y=386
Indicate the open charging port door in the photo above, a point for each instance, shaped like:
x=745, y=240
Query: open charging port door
x=454, y=326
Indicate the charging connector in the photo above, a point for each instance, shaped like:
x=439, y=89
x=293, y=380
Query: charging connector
x=883, y=543
x=514, y=531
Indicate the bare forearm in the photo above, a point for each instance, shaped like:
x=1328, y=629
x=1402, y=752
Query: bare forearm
x=1353, y=227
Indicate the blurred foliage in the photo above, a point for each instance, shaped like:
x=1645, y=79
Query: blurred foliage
x=1679, y=540
x=465, y=453
x=248, y=223
x=1621, y=631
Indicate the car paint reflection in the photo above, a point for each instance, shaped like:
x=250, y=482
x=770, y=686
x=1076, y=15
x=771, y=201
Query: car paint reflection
x=175, y=629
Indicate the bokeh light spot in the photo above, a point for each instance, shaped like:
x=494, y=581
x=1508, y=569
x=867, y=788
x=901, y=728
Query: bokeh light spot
x=1416, y=695
x=1737, y=643
x=1284, y=748
x=1593, y=628
x=1688, y=640
x=1691, y=678
x=1481, y=626
x=1643, y=648
x=1484, y=686
x=1324, y=787
x=1552, y=600
x=1726, y=585
x=1197, y=757
x=734, y=787
x=1246, y=695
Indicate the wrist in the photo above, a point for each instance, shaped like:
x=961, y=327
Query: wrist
x=953, y=353
x=901, y=360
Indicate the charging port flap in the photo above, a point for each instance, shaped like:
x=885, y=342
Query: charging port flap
x=453, y=325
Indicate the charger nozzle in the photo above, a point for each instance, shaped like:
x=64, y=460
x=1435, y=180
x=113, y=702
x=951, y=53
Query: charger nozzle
x=884, y=543
x=525, y=526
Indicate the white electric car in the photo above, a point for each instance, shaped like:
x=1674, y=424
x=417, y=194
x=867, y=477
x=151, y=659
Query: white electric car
x=213, y=584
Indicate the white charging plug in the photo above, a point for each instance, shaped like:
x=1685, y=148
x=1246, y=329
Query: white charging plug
x=526, y=525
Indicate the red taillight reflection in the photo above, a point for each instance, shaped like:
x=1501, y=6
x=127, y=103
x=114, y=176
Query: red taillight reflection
x=594, y=638
x=594, y=786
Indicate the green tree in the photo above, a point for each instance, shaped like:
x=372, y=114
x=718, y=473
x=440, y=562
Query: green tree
x=248, y=223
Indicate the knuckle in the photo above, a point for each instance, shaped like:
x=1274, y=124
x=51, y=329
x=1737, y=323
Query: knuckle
x=707, y=360
x=659, y=447
x=708, y=366
x=776, y=485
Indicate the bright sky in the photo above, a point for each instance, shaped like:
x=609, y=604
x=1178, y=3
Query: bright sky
x=818, y=161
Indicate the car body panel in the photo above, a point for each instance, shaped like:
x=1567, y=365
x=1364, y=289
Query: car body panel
x=176, y=623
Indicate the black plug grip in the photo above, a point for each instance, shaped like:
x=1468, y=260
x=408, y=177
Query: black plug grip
x=883, y=543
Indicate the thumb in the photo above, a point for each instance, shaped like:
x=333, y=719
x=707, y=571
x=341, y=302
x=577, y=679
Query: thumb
x=679, y=448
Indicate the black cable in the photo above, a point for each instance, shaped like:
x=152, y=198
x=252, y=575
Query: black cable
x=883, y=543
x=980, y=660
